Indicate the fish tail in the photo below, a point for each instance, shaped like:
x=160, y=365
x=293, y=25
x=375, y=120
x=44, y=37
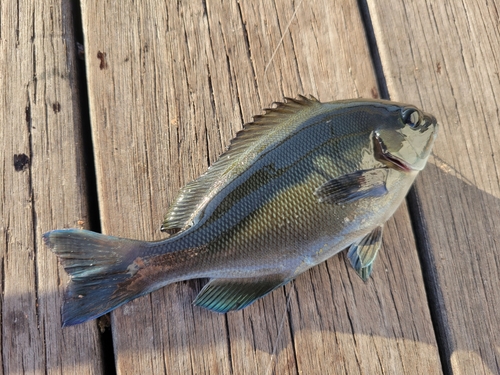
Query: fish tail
x=98, y=265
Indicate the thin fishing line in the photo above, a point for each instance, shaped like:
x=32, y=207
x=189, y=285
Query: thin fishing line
x=280, y=328
x=278, y=45
x=292, y=283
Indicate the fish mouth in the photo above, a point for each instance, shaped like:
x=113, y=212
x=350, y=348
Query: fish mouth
x=383, y=155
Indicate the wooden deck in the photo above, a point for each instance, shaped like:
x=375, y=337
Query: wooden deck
x=168, y=84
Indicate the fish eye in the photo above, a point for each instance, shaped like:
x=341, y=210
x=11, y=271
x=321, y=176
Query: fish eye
x=412, y=118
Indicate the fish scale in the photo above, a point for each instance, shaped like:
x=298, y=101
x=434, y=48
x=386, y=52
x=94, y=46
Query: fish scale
x=296, y=186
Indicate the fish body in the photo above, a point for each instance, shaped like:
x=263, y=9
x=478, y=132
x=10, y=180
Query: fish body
x=297, y=185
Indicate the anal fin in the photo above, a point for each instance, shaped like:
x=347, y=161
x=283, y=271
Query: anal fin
x=223, y=295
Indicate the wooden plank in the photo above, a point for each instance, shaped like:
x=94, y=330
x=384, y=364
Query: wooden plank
x=42, y=187
x=446, y=58
x=170, y=84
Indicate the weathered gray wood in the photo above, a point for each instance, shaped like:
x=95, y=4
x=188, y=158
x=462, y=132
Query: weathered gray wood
x=445, y=56
x=42, y=188
x=150, y=111
x=170, y=84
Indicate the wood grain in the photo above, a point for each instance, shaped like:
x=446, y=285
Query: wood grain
x=169, y=86
x=447, y=60
x=42, y=188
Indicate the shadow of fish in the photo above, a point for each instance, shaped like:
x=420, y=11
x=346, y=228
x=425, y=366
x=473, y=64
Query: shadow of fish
x=297, y=185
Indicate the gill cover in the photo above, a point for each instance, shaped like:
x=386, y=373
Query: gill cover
x=407, y=147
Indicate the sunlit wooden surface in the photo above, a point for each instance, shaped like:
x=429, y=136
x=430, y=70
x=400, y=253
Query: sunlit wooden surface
x=168, y=84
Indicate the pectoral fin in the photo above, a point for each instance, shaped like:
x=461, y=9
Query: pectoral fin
x=353, y=186
x=363, y=253
x=223, y=295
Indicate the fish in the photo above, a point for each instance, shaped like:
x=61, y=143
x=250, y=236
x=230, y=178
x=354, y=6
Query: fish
x=297, y=185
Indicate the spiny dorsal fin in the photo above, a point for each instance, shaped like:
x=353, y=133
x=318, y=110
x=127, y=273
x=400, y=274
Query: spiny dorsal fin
x=275, y=124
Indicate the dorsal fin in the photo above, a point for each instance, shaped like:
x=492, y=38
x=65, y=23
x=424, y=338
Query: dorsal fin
x=275, y=124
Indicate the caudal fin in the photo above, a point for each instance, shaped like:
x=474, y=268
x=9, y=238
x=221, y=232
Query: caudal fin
x=98, y=265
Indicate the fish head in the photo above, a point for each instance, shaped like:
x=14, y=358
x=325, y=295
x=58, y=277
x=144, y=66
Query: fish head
x=405, y=141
